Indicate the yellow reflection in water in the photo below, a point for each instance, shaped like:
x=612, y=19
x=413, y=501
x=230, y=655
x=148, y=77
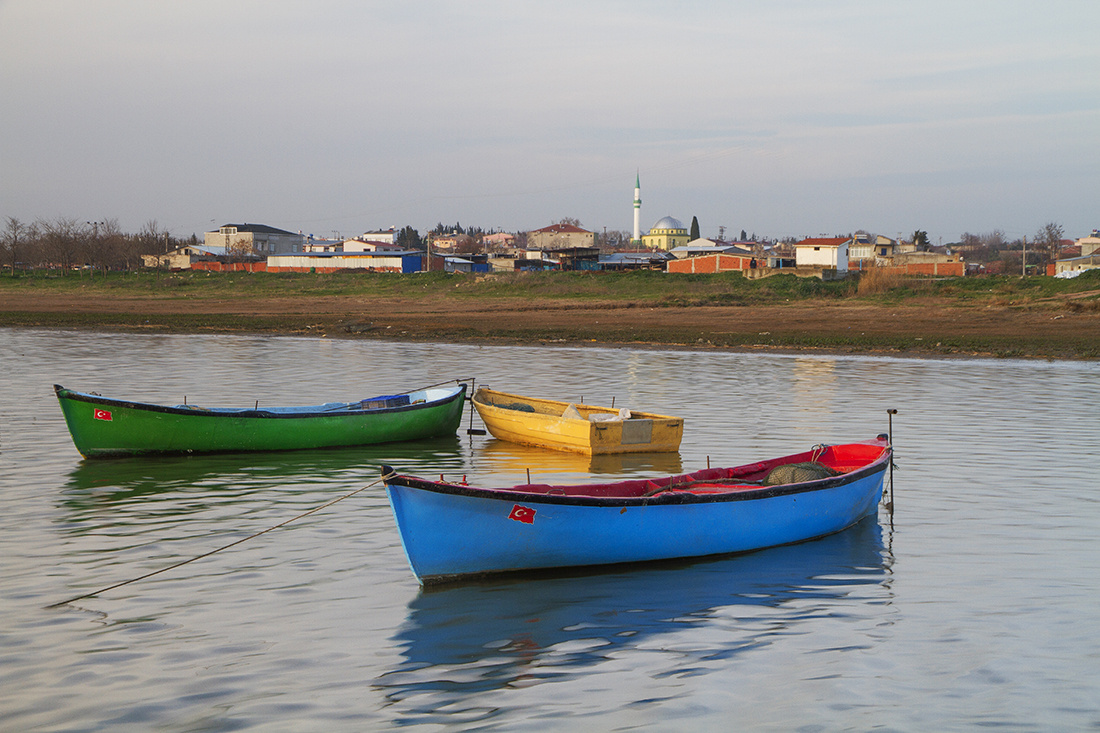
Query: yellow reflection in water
x=510, y=463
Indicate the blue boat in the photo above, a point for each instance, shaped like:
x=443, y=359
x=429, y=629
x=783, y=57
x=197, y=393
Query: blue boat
x=452, y=531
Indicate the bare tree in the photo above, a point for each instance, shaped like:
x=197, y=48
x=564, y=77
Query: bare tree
x=150, y=240
x=1049, y=240
x=466, y=245
x=61, y=243
x=972, y=241
x=239, y=249
x=16, y=242
x=102, y=243
x=612, y=239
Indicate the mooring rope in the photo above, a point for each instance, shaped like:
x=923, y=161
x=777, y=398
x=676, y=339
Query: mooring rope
x=225, y=547
x=438, y=384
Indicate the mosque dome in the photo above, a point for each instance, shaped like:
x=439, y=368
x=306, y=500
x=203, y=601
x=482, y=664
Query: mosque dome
x=668, y=222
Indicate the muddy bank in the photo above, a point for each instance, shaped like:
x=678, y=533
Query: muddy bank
x=929, y=327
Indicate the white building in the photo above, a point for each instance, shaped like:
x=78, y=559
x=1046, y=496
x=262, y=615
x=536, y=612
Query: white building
x=399, y=261
x=360, y=244
x=389, y=236
x=829, y=252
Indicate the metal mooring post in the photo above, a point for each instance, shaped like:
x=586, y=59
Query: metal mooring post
x=890, y=437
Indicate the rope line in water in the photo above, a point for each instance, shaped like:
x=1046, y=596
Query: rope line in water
x=224, y=547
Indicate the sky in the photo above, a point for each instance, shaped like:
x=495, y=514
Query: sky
x=336, y=117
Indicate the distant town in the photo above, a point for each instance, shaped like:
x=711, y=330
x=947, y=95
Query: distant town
x=669, y=245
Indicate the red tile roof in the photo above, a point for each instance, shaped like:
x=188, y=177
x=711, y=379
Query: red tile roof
x=823, y=242
x=563, y=229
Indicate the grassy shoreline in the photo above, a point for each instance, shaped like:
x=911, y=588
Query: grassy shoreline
x=1035, y=317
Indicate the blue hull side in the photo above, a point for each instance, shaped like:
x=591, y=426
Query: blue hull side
x=448, y=535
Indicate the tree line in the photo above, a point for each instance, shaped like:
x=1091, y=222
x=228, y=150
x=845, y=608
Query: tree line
x=67, y=244
x=995, y=249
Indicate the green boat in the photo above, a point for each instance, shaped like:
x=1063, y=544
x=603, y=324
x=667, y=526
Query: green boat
x=102, y=427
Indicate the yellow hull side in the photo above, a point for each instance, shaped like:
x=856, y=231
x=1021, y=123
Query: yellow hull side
x=539, y=422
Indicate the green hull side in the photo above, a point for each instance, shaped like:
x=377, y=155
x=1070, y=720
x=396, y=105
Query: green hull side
x=136, y=430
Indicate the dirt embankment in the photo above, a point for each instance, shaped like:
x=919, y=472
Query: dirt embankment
x=927, y=327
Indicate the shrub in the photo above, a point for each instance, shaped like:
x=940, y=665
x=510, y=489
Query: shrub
x=877, y=281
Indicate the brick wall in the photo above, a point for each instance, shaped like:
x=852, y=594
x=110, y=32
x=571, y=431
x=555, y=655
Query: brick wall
x=938, y=269
x=709, y=264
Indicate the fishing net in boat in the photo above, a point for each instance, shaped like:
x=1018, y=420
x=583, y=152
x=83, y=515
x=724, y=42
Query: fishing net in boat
x=794, y=473
x=517, y=406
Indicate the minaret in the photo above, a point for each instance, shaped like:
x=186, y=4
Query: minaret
x=637, y=241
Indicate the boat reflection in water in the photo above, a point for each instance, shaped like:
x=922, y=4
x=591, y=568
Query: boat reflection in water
x=495, y=634
x=506, y=461
x=98, y=484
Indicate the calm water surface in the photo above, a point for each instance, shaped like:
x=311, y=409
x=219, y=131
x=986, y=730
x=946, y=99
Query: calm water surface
x=976, y=605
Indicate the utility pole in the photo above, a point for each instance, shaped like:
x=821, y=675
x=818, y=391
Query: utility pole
x=1023, y=260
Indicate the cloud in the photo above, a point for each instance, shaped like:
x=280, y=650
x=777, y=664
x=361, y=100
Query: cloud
x=361, y=114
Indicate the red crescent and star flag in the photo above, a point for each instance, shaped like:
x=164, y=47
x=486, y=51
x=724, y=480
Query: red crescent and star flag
x=522, y=514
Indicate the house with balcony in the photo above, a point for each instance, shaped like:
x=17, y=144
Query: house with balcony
x=1090, y=244
x=498, y=242
x=866, y=250
x=255, y=239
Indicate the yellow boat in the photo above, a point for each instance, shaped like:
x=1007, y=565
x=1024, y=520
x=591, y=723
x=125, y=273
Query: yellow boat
x=578, y=428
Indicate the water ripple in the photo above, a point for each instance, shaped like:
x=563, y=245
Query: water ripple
x=972, y=606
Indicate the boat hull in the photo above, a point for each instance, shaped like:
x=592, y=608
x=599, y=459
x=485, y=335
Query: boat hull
x=541, y=423
x=452, y=533
x=104, y=427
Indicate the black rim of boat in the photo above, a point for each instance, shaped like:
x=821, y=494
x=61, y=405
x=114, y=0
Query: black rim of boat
x=68, y=394
x=879, y=465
